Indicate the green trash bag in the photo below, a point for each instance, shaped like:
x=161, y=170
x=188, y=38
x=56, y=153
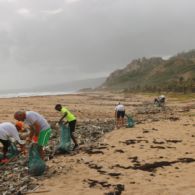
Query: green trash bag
x=65, y=139
x=157, y=104
x=12, y=151
x=130, y=122
x=36, y=165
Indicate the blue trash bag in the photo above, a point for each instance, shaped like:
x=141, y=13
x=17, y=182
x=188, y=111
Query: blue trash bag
x=130, y=122
x=36, y=165
x=65, y=139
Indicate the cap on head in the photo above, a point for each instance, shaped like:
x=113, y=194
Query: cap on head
x=19, y=125
x=20, y=115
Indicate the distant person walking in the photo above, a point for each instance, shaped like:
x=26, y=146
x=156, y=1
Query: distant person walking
x=39, y=127
x=70, y=119
x=119, y=115
x=9, y=133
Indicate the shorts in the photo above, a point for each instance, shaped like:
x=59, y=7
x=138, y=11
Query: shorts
x=6, y=144
x=72, y=125
x=120, y=114
x=44, y=136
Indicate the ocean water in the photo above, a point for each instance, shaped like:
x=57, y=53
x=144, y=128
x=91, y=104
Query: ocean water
x=31, y=94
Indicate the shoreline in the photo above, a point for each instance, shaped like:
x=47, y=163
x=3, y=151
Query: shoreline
x=35, y=94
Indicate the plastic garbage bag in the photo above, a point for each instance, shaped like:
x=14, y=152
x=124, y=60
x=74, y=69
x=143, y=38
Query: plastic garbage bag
x=12, y=151
x=130, y=122
x=36, y=165
x=65, y=139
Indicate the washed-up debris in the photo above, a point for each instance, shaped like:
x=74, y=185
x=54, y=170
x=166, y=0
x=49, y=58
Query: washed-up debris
x=116, y=188
x=114, y=174
x=173, y=118
x=159, y=147
x=173, y=141
x=94, y=166
x=121, y=166
x=94, y=152
x=15, y=178
x=90, y=131
x=134, y=159
x=148, y=109
x=158, y=142
x=153, y=166
x=133, y=141
x=93, y=183
x=119, y=151
x=150, y=113
x=99, y=168
x=184, y=109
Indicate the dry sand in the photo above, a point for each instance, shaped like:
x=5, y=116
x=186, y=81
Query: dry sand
x=168, y=142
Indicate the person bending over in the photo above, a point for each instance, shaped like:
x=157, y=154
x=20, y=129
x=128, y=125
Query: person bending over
x=8, y=133
x=39, y=128
x=119, y=115
x=70, y=119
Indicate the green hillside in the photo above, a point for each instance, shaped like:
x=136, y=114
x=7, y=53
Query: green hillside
x=155, y=74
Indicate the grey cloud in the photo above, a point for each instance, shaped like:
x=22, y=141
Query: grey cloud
x=87, y=38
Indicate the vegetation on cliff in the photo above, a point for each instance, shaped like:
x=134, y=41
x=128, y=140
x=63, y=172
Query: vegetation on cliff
x=176, y=74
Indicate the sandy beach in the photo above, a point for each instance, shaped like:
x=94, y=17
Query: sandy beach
x=157, y=156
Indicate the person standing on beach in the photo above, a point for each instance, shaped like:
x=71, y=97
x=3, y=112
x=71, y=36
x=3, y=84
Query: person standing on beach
x=70, y=119
x=119, y=115
x=39, y=127
x=8, y=133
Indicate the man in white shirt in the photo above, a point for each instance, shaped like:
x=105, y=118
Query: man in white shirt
x=119, y=115
x=8, y=132
x=39, y=127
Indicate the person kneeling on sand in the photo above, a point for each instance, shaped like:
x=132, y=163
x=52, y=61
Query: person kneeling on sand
x=8, y=133
x=70, y=119
x=119, y=115
x=160, y=101
x=39, y=128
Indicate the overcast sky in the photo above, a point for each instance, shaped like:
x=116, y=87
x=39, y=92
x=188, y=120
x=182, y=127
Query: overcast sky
x=53, y=41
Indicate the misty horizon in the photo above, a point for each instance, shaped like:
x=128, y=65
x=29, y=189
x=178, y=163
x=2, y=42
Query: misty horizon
x=49, y=42
x=66, y=87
